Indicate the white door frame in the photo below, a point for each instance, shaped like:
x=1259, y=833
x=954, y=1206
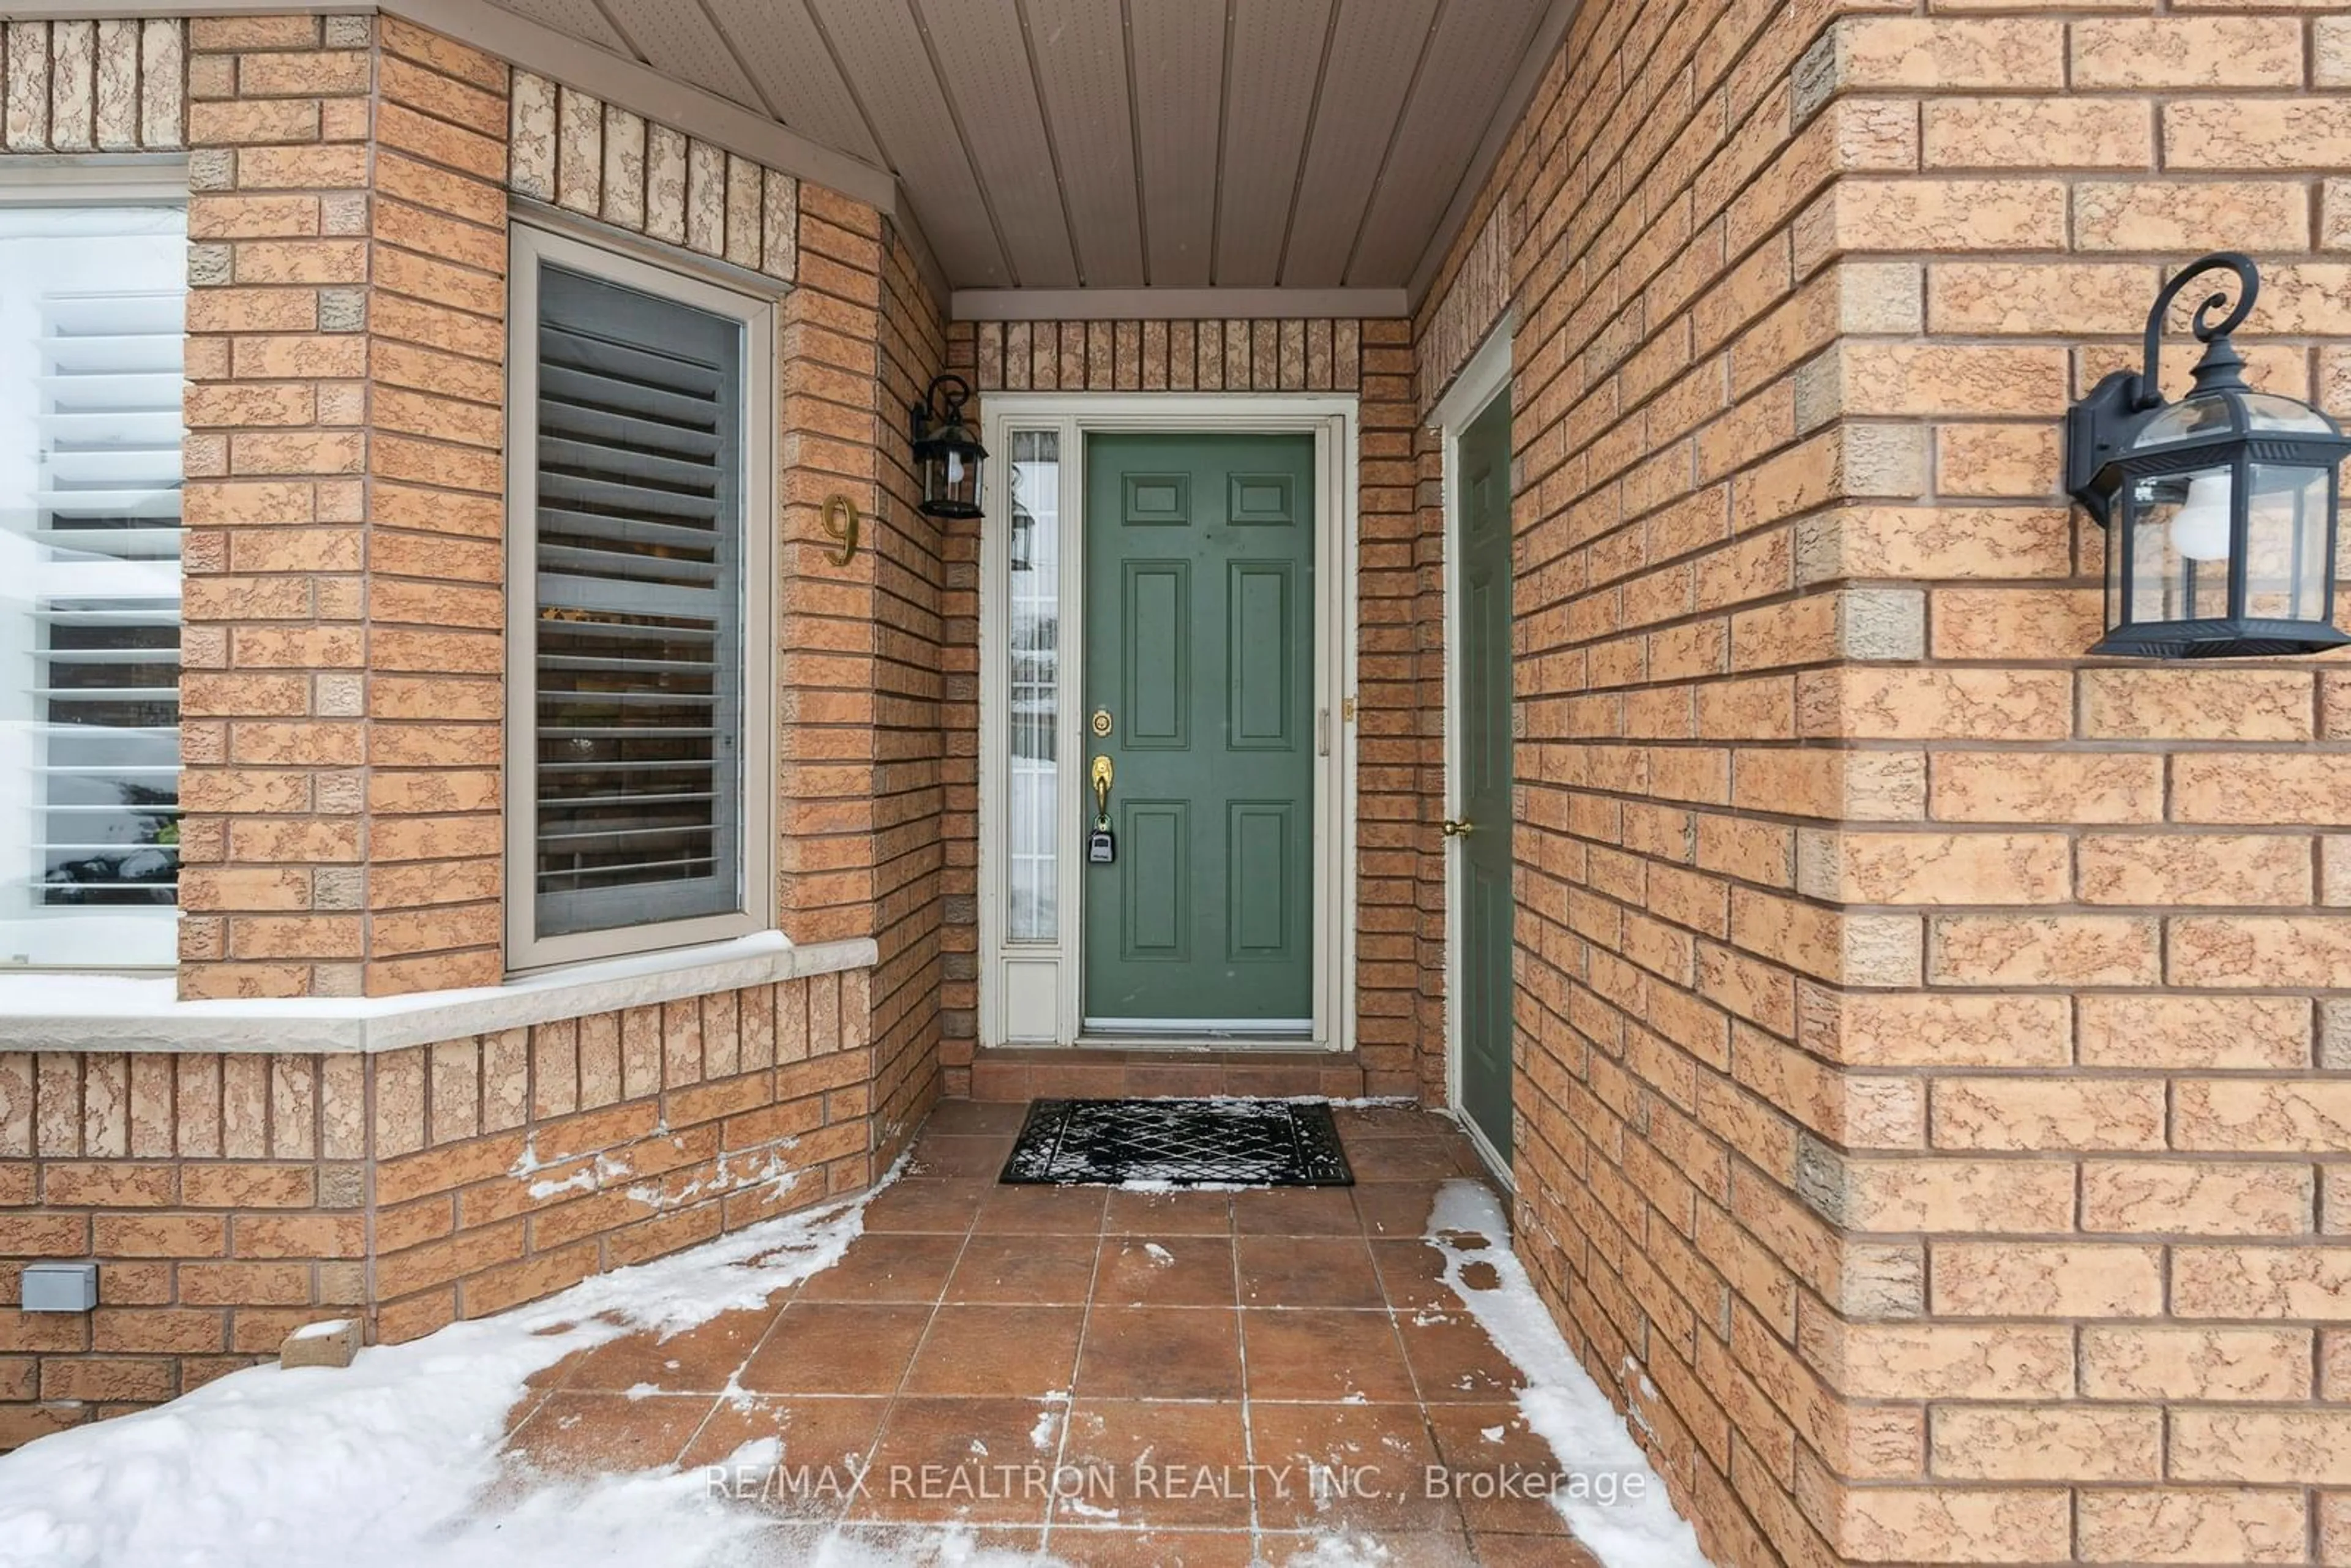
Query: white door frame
x=1030, y=992
x=1486, y=377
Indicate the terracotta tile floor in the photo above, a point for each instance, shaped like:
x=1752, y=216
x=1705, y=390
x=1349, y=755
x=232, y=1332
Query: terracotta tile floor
x=1196, y=1380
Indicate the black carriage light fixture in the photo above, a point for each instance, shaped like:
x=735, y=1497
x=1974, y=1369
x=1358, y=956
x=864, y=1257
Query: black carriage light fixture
x=946, y=454
x=2219, y=509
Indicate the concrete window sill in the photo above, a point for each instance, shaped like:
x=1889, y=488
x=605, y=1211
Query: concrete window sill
x=128, y=1013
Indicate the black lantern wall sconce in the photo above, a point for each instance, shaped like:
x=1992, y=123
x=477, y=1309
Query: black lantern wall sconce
x=947, y=455
x=2219, y=509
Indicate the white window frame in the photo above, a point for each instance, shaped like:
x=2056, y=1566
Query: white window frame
x=705, y=290
x=102, y=180
x=95, y=179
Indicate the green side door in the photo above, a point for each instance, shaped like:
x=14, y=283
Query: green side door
x=1485, y=703
x=1199, y=662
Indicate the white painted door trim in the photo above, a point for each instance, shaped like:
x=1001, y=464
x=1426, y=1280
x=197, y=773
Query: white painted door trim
x=1486, y=377
x=1010, y=973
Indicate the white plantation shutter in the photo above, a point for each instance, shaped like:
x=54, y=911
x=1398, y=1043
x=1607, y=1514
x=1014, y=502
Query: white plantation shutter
x=640, y=608
x=91, y=323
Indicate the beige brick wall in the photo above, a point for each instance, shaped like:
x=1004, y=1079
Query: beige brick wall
x=223, y=1198
x=910, y=739
x=1018, y=1074
x=858, y=804
x=1372, y=359
x=2094, y=1104
x=274, y=734
x=1293, y=355
x=92, y=91
x=572, y=150
x=228, y=1199
x=93, y=86
x=1928, y=1036
x=344, y=608
x=1399, y=756
x=435, y=601
x=509, y=1165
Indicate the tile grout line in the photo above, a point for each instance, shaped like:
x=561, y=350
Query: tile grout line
x=1292, y=1221
x=733, y=1378
x=890, y=1410
x=1077, y=1363
x=1419, y=1390
x=1249, y=1418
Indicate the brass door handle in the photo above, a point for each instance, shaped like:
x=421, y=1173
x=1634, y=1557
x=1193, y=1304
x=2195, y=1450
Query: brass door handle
x=1456, y=828
x=1102, y=779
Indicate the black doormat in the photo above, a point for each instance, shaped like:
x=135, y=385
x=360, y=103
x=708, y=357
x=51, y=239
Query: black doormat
x=1178, y=1143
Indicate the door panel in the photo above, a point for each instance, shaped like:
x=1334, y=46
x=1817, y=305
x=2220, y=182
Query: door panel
x=1261, y=500
x=1157, y=500
x=1199, y=645
x=1485, y=697
x=1262, y=655
x=1155, y=922
x=1155, y=634
x=1259, y=897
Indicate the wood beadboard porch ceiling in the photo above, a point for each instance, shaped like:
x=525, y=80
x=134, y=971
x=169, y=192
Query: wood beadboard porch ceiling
x=1128, y=144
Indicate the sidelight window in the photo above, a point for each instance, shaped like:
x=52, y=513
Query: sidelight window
x=1033, y=648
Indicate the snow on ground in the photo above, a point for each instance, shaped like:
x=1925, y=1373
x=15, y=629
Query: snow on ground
x=394, y=1462
x=1561, y=1404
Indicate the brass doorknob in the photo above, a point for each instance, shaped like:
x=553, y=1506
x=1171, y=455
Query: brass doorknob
x=1457, y=829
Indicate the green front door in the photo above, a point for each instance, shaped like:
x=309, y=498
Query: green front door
x=1485, y=703
x=1199, y=690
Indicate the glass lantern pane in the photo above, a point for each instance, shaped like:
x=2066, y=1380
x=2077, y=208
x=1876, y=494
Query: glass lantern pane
x=1032, y=646
x=2211, y=414
x=2187, y=418
x=2118, y=591
x=2267, y=411
x=2285, y=543
x=2179, y=547
x=960, y=479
